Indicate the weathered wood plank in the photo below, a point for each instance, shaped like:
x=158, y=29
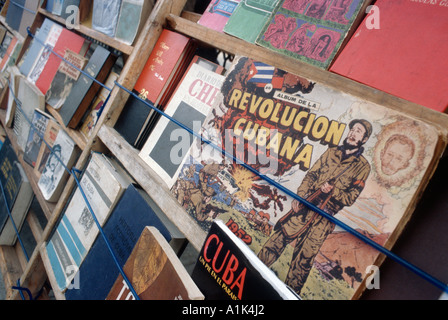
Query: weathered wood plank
x=237, y=46
x=153, y=185
x=110, y=41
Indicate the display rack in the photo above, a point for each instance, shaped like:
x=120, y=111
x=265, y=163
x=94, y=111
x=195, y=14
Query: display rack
x=34, y=273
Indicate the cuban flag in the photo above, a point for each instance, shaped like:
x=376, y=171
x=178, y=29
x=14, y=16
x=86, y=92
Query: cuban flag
x=262, y=74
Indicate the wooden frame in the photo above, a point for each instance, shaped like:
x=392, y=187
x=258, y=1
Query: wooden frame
x=167, y=13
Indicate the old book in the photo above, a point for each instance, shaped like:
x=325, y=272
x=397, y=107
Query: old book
x=360, y=162
x=168, y=55
x=36, y=47
x=105, y=15
x=217, y=14
x=54, y=175
x=50, y=134
x=189, y=105
x=133, y=15
x=155, y=272
x=14, y=14
x=6, y=41
x=399, y=69
x=226, y=269
x=14, y=81
x=61, y=7
x=98, y=273
x=248, y=19
x=65, y=78
x=67, y=40
x=103, y=182
x=85, y=89
x=37, y=132
x=29, y=12
x=11, y=54
x=312, y=31
x=3, y=32
x=96, y=108
x=17, y=195
x=30, y=98
x=40, y=61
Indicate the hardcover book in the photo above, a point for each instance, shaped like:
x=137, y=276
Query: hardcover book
x=105, y=16
x=94, y=113
x=30, y=99
x=50, y=134
x=28, y=13
x=54, y=175
x=35, y=48
x=14, y=14
x=133, y=15
x=362, y=163
x=67, y=40
x=218, y=13
x=227, y=269
x=384, y=57
x=155, y=272
x=249, y=18
x=103, y=182
x=189, y=105
x=34, y=141
x=98, y=272
x=17, y=195
x=11, y=54
x=85, y=89
x=65, y=78
x=167, y=58
x=311, y=31
x=40, y=61
x=15, y=78
x=61, y=7
x=6, y=41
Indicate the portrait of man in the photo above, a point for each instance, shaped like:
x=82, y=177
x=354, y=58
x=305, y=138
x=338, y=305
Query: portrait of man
x=51, y=170
x=398, y=151
x=335, y=181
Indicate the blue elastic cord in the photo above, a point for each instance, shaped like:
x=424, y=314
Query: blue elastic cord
x=131, y=288
x=19, y=105
x=337, y=222
x=80, y=188
x=22, y=289
x=78, y=69
x=20, y=6
x=68, y=62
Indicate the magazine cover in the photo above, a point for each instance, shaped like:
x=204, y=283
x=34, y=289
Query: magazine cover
x=311, y=30
x=360, y=162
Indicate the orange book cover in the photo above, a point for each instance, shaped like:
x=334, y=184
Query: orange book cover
x=161, y=63
x=400, y=48
x=8, y=54
x=67, y=40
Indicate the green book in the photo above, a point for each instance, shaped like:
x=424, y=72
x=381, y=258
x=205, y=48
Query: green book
x=249, y=18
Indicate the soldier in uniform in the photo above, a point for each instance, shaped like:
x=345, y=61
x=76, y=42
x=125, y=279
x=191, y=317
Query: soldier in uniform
x=335, y=181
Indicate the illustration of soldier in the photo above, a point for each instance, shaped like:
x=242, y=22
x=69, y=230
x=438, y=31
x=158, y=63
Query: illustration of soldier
x=335, y=181
x=196, y=197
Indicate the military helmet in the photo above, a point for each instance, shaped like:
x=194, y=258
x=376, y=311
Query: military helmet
x=366, y=124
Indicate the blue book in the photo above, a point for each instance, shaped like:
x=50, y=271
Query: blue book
x=50, y=5
x=98, y=272
x=36, y=47
x=14, y=14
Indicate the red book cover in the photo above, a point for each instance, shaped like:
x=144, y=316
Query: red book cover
x=67, y=40
x=161, y=63
x=400, y=48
